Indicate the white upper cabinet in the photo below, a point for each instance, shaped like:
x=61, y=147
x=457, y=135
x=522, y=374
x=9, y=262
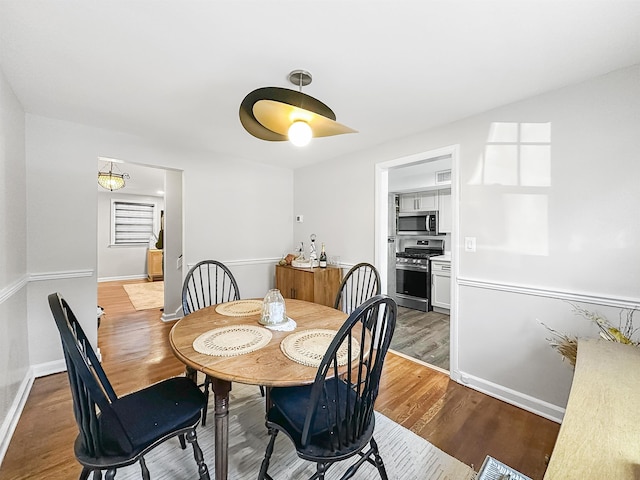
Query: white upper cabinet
x=420, y=201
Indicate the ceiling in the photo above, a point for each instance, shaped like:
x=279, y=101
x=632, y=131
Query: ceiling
x=175, y=71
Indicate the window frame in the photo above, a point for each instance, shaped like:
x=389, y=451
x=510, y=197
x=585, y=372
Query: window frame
x=154, y=226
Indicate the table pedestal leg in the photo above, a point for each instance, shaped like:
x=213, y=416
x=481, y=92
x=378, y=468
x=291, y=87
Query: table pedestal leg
x=221, y=391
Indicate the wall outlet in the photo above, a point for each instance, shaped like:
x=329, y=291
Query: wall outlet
x=299, y=218
x=469, y=244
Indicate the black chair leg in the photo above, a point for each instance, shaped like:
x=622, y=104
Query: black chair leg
x=183, y=444
x=267, y=456
x=378, y=460
x=321, y=469
x=97, y=475
x=111, y=474
x=203, y=471
x=145, y=470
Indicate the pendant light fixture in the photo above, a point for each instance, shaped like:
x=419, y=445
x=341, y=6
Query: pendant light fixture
x=279, y=114
x=111, y=180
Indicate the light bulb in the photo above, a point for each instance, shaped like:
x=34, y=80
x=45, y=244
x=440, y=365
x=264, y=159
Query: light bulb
x=300, y=133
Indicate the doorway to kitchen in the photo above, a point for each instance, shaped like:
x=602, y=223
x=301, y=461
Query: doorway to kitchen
x=415, y=187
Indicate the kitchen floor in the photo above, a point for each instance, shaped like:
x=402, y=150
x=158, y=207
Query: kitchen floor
x=422, y=335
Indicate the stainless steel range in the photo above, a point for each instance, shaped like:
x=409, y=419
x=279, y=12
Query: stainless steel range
x=413, y=274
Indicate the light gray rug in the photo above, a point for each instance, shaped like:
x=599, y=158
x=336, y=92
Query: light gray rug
x=406, y=455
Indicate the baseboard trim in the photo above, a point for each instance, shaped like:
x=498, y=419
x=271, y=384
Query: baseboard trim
x=172, y=317
x=10, y=422
x=49, y=368
x=577, y=297
x=124, y=277
x=518, y=399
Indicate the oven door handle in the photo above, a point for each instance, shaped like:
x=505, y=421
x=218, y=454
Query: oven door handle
x=413, y=268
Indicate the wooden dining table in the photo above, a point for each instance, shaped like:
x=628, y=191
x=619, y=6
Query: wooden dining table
x=268, y=366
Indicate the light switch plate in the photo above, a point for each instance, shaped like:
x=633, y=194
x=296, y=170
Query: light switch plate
x=470, y=244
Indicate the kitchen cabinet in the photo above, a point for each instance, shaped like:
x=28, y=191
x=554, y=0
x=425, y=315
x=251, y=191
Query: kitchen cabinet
x=420, y=201
x=441, y=283
x=154, y=265
x=318, y=285
x=445, y=215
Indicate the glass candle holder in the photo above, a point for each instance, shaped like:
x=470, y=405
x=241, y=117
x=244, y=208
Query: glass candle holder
x=273, y=308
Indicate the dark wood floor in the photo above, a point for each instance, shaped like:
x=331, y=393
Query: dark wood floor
x=464, y=423
x=423, y=335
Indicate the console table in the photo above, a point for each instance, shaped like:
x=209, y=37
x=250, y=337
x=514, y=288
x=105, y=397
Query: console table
x=154, y=265
x=600, y=434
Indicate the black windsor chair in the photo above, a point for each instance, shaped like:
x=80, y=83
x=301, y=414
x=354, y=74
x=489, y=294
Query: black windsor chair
x=359, y=284
x=207, y=283
x=127, y=427
x=333, y=419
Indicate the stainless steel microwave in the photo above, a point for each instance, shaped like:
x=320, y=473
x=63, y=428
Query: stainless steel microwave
x=417, y=223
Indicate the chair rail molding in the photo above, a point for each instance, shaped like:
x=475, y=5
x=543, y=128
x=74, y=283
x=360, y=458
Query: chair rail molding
x=13, y=287
x=580, y=297
x=62, y=275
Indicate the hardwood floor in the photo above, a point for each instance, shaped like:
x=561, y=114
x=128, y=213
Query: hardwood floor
x=464, y=423
x=423, y=335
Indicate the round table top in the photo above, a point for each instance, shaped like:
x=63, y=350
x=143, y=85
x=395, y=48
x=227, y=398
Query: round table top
x=267, y=366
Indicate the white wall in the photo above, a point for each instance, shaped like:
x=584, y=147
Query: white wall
x=14, y=348
x=235, y=211
x=573, y=236
x=124, y=261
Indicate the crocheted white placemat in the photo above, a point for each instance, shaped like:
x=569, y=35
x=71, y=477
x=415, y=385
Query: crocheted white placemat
x=232, y=341
x=308, y=347
x=240, y=308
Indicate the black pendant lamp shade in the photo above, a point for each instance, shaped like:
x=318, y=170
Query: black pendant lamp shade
x=268, y=112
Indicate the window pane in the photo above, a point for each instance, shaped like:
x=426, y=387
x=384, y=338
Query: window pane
x=133, y=222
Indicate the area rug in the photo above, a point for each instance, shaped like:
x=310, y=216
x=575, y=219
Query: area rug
x=406, y=455
x=146, y=295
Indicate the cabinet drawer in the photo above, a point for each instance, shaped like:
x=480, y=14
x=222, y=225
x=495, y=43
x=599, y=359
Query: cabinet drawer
x=443, y=268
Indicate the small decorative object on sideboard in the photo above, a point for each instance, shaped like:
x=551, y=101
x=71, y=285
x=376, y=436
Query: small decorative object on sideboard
x=323, y=258
x=313, y=256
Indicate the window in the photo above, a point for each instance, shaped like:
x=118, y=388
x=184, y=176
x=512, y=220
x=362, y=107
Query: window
x=132, y=223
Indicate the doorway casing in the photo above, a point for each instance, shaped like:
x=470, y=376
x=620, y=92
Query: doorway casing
x=381, y=231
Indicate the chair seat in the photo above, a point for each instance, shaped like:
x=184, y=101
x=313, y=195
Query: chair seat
x=149, y=415
x=293, y=402
x=289, y=411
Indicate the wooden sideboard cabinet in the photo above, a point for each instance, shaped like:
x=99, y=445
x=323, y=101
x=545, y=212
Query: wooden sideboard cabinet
x=154, y=265
x=318, y=285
